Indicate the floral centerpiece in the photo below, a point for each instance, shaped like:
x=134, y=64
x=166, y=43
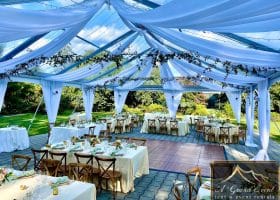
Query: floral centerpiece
x=4, y=175
x=94, y=141
x=118, y=144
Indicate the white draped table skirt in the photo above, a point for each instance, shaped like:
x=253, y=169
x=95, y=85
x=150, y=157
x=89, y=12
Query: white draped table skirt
x=12, y=139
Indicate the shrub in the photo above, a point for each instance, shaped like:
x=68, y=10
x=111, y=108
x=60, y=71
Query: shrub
x=228, y=110
x=154, y=108
x=200, y=109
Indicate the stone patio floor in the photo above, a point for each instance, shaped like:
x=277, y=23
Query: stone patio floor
x=158, y=184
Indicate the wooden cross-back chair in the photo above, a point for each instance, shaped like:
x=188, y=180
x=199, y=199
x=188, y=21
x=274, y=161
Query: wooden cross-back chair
x=51, y=166
x=20, y=162
x=62, y=158
x=87, y=159
x=209, y=133
x=224, y=135
x=162, y=126
x=108, y=172
x=91, y=130
x=174, y=127
x=38, y=156
x=195, y=183
x=178, y=190
x=151, y=125
x=81, y=172
x=119, y=126
x=199, y=129
x=106, y=132
x=139, y=141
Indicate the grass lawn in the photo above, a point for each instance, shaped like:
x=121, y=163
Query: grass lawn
x=40, y=124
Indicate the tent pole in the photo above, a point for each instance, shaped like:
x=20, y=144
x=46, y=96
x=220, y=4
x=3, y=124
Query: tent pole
x=34, y=116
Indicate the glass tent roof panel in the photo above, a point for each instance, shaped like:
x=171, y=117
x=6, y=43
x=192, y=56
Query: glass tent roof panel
x=269, y=39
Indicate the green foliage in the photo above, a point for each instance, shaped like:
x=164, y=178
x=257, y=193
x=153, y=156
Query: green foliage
x=155, y=108
x=228, y=110
x=21, y=98
x=71, y=98
x=275, y=97
x=201, y=110
x=137, y=110
x=104, y=100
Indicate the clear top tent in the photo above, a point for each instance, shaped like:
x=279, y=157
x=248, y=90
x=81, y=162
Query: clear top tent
x=232, y=47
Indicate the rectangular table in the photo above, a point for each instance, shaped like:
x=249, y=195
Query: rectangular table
x=134, y=163
x=39, y=188
x=13, y=138
x=59, y=134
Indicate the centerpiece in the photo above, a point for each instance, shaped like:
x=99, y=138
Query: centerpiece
x=94, y=141
x=4, y=175
x=118, y=144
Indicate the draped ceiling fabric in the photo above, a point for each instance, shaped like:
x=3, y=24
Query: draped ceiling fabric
x=119, y=99
x=3, y=88
x=88, y=100
x=19, y=23
x=235, y=16
x=52, y=93
x=264, y=119
x=121, y=92
x=89, y=70
x=13, y=23
x=173, y=93
x=235, y=102
x=159, y=27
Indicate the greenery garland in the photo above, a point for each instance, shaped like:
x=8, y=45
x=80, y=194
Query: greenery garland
x=157, y=58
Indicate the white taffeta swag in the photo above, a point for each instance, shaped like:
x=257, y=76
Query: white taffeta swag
x=52, y=93
x=3, y=88
x=88, y=100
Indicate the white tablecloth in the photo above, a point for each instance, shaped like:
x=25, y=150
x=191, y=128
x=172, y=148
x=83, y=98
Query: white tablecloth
x=39, y=188
x=13, y=138
x=134, y=163
x=183, y=127
x=59, y=134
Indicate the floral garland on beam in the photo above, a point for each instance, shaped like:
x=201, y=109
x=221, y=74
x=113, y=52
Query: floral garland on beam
x=194, y=79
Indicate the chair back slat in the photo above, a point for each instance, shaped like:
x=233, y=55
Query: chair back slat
x=91, y=130
x=195, y=183
x=61, y=157
x=20, y=162
x=80, y=171
x=51, y=166
x=39, y=155
x=87, y=157
x=105, y=165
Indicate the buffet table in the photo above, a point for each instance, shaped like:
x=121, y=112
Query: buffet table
x=59, y=134
x=38, y=187
x=132, y=162
x=13, y=138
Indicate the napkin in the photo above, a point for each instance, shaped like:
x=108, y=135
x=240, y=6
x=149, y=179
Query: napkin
x=59, y=181
x=76, y=148
x=20, y=174
x=58, y=146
